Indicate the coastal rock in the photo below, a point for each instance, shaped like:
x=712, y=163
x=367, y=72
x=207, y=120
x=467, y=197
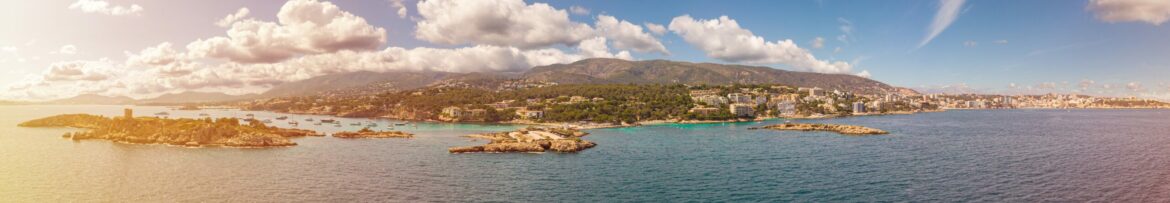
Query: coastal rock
x=838, y=128
x=530, y=140
x=367, y=133
x=471, y=149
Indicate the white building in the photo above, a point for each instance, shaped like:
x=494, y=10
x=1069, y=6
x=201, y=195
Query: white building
x=742, y=110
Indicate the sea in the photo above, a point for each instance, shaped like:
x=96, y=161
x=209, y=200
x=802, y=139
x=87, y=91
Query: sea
x=953, y=156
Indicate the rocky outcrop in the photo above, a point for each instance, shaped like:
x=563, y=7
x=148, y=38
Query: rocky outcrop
x=367, y=133
x=179, y=132
x=530, y=140
x=838, y=128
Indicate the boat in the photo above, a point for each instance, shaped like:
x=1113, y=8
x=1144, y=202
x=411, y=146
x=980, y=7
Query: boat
x=248, y=119
x=293, y=123
x=282, y=118
x=372, y=124
x=267, y=121
x=316, y=123
x=400, y=124
x=204, y=114
x=309, y=119
x=337, y=125
x=250, y=115
x=327, y=120
x=355, y=124
x=164, y=113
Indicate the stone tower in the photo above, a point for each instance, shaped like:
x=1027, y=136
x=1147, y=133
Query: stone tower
x=128, y=113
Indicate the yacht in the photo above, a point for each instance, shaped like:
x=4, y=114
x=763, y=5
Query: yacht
x=282, y=118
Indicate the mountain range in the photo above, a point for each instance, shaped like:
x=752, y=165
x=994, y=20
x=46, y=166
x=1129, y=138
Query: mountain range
x=588, y=71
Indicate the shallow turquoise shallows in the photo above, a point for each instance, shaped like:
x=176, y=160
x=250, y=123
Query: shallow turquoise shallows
x=954, y=156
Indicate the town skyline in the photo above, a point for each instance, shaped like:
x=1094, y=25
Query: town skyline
x=142, y=49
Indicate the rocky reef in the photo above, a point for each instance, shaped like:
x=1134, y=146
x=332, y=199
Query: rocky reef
x=530, y=139
x=179, y=132
x=838, y=128
x=367, y=133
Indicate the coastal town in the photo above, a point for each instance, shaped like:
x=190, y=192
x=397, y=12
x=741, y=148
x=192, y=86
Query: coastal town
x=634, y=104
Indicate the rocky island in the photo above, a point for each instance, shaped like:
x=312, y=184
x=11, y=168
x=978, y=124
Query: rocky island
x=530, y=139
x=367, y=133
x=838, y=128
x=178, y=132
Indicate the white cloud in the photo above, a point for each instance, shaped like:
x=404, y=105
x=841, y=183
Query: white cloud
x=103, y=7
x=970, y=43
x=305, y=27
x=1134, y=86
x=948, y=12
x=68, y=49
x=80, y=71
x=9, y=49
x=596, y=48
x=656, y=29
x=1002, y=41
x=723, y=39
x=399, y=7
x=577, y=10
x=227, y=21
x=499, y=22
x=817, y=43
x=1154, y=12
x=514, y=23
x=626, y=35
x=864, y=74
x=846, y=28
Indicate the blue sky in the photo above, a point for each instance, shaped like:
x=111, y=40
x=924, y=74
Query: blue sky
x=1098, y=47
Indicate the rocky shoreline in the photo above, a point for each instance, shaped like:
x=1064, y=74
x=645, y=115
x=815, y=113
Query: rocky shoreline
x=838, y=128
x=226, y=132
x=529, y=140
x=367, y=133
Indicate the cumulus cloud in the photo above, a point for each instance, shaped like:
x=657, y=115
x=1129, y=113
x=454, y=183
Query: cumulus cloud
x=303, y=27
x=79, y=71
x=1154, y=12
x=817, y=43
x=948, y=12
x=723, y=39
x=399, y=7
x=577, y=10
x=227, y=21
x=864, y=74
x=103, y=7
x=626, y=35
x=68, y=49
x=656, y=29
x=514, y=23
x=500, y=22
x=1133, y=86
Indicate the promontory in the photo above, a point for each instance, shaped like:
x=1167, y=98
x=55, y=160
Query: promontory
x=838, y=128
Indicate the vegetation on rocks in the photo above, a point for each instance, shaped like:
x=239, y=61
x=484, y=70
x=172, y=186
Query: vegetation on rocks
x=367, y=133
x=838, y=128
x=184, y=132
x=530, y=140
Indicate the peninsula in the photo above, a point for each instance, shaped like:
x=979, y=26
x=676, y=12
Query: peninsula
x=531, y=139
x=227, y=132
x=838, y=128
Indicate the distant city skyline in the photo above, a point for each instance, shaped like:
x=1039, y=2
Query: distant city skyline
x=62, y=48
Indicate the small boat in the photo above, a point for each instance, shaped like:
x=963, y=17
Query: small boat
x=248, y=120
x=337, y=125
x=293, y=123
x=316, y=123
x=282, y=118
x=250, y=115
x=327, y=120
x=204, y=114
x=355, y=124
x=400, y=124
x=267, y=121
x=309, y=119
x=372, y=124
x=164, y=113
x=390, y=127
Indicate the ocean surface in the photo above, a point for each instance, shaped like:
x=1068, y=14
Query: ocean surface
x=954, y=156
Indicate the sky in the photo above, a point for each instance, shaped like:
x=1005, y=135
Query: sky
x=61, y=48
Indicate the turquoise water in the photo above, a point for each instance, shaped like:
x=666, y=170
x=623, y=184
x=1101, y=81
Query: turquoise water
x=986, y=156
